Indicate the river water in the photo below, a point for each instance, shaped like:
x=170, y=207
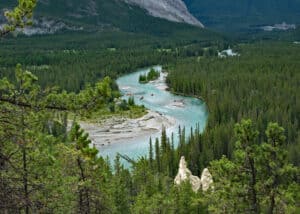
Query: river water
x=187, y=112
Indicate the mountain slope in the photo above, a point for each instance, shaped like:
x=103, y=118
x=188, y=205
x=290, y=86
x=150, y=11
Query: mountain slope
x=93, y=15
x=243, y=14
x=173, y=10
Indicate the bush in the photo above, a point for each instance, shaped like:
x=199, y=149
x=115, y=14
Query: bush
x=152, y=75
x=123, y=105
x=131, y=101
x=112, y=107
x=142, y=78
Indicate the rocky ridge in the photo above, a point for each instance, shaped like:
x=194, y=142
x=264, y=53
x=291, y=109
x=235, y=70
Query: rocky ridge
x=172, y=10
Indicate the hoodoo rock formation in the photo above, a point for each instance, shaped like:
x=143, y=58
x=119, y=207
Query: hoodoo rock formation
x=206, y=180
x=184, y=174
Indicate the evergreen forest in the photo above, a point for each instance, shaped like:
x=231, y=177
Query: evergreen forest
x=49, y=84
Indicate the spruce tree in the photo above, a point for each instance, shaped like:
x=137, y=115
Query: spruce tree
x=275, y=173
x=245, y=156
x=150, y=153
x=157, y=155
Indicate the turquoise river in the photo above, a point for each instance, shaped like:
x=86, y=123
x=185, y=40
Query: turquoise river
x=187, y=113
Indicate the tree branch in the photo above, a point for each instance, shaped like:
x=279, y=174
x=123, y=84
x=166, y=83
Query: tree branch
x=26, y=105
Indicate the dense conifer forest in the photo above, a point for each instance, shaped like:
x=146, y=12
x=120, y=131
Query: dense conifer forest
x=262, y=84
x=251, y=144
x=71, y=60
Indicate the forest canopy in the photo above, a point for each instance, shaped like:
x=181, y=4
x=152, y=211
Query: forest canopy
x=49, y=164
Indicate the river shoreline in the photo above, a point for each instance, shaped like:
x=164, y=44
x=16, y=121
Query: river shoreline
x=130, y=137
x=167, y=88
x=117, y=129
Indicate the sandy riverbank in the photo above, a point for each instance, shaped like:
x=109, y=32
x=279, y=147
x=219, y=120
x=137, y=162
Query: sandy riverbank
x=118, y=129
x=121, y=129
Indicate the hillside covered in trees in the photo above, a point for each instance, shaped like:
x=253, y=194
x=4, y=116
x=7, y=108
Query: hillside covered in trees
x=101, y=15
x=239, y=16
x=261, y=84
x=48, y=163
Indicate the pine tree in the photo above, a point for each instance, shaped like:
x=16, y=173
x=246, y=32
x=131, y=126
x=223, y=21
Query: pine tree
x=19, y=17
x=163, y=140
x=173, y=158
x=86, y=155
x=120, y=187
x=258, y=178
x=244, y=155
x=22, y=125
x=157, y=155
x=275, y=173
x=150, y=153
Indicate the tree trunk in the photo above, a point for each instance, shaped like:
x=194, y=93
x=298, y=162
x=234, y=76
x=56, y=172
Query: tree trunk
x=254, y=205
x=272, y=205
x=2, y=159
x=24, y=160
x=25, y=180
x=84, y=200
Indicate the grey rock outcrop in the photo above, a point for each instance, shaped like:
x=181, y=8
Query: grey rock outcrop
x=184, y=174
x=172, y=10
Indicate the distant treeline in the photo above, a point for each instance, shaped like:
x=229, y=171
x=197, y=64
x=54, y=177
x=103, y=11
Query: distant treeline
x=71, y=61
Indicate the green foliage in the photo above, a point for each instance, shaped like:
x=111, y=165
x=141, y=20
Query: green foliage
x=274, y=170
x=87, y=162
x=150, y=153
x=44, y=168
x=143, y=78
x=82, y=142
x=121, y=190
x=19, y=17
x=150, y=76
x=244, y=156
x=27, y=93
x=157, y=155
x=112, y=107
x=124, y=105
x=131, y=101
x=153, y=75
x=36, y=164
x=258, y=179
x=108, y=15
x=68, y=176
x=73, y=60
x=261, y=84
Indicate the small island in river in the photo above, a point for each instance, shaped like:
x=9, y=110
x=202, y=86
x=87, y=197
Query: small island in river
x=150, y=76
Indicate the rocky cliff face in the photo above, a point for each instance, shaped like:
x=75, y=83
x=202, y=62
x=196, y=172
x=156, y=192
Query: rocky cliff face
x=172, y=10
x=184, y=174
